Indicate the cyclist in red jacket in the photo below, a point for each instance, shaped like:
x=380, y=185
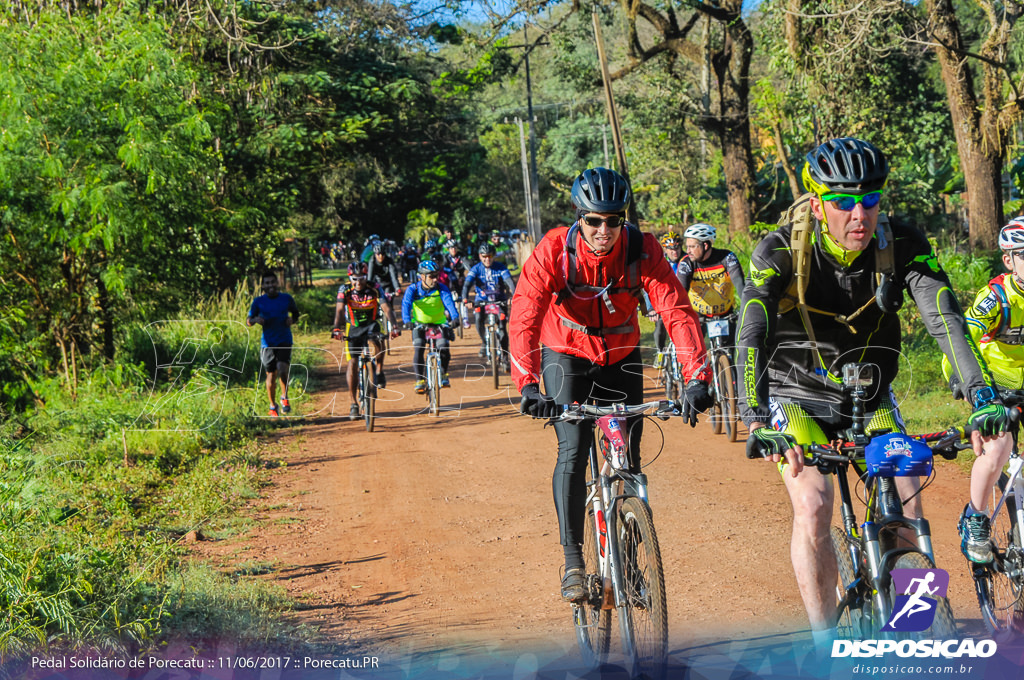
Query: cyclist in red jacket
x=578, y=295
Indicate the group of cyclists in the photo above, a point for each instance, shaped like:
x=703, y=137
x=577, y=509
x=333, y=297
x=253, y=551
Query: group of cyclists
x=822, y=290
x=442, y=277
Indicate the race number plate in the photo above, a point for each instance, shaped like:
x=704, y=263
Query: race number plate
x=718, y=328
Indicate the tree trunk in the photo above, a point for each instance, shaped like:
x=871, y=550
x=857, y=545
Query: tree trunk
x=732, y=68
x=106, y=315
x=977, y=140
x=780, y=152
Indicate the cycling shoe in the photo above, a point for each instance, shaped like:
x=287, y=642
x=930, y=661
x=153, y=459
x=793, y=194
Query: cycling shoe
x=573, y=589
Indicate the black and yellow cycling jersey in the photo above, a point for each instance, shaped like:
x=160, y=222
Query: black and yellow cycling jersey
x=712, y=284
x=776, y=357
x=996, y=322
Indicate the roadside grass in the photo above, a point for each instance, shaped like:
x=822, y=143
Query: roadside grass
x=100, y=487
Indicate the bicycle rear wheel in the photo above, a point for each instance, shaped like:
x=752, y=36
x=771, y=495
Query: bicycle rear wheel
x=434, y=384
x=944, y=624
x=726, y=391
x=593, y=624
x=998, y=585
x=644, y=618
x=853, y=621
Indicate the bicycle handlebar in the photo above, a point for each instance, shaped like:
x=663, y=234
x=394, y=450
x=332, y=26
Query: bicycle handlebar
x=947, y=444
x=370, y=336
x=576, y=412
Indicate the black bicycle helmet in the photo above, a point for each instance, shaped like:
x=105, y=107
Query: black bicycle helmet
x=845, y=165
x=487, y=249
x=600, y=190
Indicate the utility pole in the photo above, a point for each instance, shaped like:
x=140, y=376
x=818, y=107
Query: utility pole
x=534, y=181
x=533, y=186
x=531, y=226
x=613, y=116
x=604, y=138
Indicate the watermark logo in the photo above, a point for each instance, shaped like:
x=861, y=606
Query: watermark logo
x=914, y=610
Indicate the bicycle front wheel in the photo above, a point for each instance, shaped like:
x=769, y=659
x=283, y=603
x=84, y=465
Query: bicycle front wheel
x=434, y=385
x=369, y=394
x=644, y=618
x=716, y=412
x=852, y=617
x=666, y=376
x=944, y=624
x=593, y=624
x=999, y=585
x=492, y=342
x=725, y=390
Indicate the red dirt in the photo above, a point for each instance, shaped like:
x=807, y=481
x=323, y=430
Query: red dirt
x=440, y=533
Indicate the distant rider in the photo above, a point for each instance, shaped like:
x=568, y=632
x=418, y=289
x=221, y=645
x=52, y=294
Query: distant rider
x=429, y=302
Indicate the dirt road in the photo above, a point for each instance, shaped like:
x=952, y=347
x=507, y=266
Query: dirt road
x=438, y=534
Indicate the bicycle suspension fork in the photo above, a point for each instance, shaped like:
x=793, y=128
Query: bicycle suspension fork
x=599, y=497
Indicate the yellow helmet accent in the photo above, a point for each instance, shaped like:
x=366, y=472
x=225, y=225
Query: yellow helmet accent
x=811, y=184
x=671, y=238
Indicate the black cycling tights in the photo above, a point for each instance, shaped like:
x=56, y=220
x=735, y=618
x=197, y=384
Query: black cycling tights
x=481, y=329
x=419, y=350
x=568, y=379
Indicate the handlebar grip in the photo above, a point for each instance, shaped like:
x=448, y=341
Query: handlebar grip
x=754, y=448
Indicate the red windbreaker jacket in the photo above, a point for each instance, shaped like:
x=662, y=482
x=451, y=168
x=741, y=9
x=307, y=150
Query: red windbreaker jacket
x=537, y=319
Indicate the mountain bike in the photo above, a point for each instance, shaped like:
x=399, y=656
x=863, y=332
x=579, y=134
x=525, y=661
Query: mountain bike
x=620, y=547
x=366, y=374
x=868, y=553
x=495, y=314
x=724, y=414
x=432, y=359
x=1000, y=583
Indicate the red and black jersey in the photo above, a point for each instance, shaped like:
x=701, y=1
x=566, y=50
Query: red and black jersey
x=361, y=307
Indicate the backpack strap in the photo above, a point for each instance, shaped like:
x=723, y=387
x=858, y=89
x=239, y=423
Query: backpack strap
x=996, y=286
x=631, y=278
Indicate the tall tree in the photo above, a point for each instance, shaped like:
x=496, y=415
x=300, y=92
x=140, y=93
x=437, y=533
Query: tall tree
x=658, y=31
x=982, y=120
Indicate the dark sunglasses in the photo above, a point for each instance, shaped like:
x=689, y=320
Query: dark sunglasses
x=845, y=202
x=613, y=221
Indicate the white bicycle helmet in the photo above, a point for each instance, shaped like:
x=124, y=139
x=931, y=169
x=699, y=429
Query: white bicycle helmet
x=701, y=232
x=1011, y=237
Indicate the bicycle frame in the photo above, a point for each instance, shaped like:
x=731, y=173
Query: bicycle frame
x=874, y=547
x=606, y=488
x=432, y=361
x=884, y=514
x=615, y=579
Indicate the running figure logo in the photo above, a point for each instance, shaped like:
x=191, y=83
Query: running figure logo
x=914, y=610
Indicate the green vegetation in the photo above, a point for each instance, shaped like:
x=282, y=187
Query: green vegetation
x=98, y=491
x=156, y=157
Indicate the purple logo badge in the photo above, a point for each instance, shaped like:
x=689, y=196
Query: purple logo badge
x=914, y=609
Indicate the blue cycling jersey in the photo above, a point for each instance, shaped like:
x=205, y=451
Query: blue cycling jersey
x=494, y=280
